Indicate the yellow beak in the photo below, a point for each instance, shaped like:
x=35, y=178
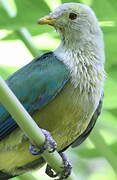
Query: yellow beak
x=46, y=20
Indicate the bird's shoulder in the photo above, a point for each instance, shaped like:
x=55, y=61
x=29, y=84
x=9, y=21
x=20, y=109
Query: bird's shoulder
x=35, y=85
x=42, y=78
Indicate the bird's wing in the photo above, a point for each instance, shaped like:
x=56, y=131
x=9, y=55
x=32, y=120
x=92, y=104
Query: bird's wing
x=90, y=126
x=35, y=85
x=5, y=176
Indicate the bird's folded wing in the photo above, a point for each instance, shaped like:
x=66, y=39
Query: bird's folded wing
x=5, y=176
x=35, y=85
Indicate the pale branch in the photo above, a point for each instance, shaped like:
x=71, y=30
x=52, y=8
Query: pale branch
x=28, y=125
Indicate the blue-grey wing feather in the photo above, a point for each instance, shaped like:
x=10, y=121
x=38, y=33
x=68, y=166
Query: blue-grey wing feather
x=35, y=85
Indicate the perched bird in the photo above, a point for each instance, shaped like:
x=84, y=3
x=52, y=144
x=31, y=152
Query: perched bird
x=62, y=90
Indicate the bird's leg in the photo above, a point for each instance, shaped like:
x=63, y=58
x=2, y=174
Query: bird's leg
x=66, y=169
x=49, y=144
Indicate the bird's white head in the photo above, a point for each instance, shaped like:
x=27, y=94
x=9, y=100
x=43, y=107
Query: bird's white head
x=81, y=48
x=74, y=21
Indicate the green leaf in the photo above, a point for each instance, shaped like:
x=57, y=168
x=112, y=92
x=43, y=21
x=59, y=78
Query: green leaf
x=105, y=10
x=5, y=71
x=24, y=16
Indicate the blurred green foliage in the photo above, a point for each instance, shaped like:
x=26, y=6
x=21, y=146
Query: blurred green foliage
x=89, y=159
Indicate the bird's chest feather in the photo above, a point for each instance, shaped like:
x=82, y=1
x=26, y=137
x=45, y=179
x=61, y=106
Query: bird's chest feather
x=67, y=116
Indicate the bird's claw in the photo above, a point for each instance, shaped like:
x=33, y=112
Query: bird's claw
x=66, y=166
x=49, y=145
x=66, y=169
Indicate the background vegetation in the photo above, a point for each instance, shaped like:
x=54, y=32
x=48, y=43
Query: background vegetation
x=22, y=39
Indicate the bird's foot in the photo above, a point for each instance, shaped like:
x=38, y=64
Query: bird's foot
x=66, y=169
x=49, y=144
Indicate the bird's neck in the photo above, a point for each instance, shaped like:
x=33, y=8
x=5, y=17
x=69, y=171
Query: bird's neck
x=85, y=60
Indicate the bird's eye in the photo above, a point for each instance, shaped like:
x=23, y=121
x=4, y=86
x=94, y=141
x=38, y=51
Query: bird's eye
x=72, y=16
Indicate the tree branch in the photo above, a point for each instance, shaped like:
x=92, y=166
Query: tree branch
x=28, y=125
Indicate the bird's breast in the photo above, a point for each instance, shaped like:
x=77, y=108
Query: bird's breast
x=67, y=116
